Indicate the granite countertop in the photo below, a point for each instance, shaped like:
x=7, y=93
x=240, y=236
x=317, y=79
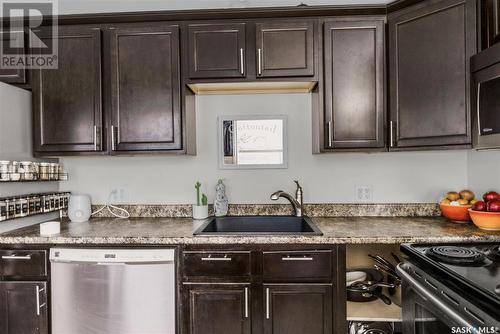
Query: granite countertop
x=172, y=231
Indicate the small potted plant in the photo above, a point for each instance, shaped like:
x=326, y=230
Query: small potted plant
x=200, y=210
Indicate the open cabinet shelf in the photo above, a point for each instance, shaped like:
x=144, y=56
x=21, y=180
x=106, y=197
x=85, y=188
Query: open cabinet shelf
x=373, y=311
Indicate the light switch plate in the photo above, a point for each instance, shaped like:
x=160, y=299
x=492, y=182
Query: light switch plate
x=363, y=193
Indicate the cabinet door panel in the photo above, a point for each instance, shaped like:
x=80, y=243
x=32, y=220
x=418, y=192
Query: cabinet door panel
x=216, y=50
x=67, y=101
x=18, y=308
x=218, y=309
x=429, y=74
x=13, y=75
x=297, y=309
x=145, y=89
x=354, y=84
x=285, y=49
x=490, y=22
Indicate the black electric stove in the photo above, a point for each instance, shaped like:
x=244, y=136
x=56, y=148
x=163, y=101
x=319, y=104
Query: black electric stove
x=465, y=278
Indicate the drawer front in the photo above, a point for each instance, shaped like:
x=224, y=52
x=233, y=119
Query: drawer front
x=23, y=263
x=307, y=266
x=217, y=264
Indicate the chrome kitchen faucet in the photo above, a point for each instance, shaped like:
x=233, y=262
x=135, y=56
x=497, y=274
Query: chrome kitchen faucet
x=296, y=202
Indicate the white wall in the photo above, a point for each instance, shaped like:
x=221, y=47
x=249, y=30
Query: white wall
x=15, y=144
x=106, y=6
x=395, y=177
x=484, y=171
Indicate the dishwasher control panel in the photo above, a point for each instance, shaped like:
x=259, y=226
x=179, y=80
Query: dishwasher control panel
x=111, y=255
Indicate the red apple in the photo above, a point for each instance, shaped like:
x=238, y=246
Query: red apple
x=479, y=206
x=490, y=196
x=494, y=206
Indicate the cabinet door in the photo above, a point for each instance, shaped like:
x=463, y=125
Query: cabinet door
x=354, y=84
x=145, y=89
x=16, y=40
x=285, y=49
x=429, y=50
x=67, y=101
x=490, y=22
x=297, y=309
x=216, y=50
x=217, y=309
x=23, y=308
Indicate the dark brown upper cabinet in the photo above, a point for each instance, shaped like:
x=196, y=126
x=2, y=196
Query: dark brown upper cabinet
x=298, y=309
x=429, y=49
x=216, y=50
x=490, y=23
x=16, y=40
x=354, y=84
x=67, y=114
x=218, y=309
x=23, y=307
x=285, y=49
x=145, y=89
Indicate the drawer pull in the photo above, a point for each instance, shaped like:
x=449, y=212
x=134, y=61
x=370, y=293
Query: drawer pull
x=16, y=257
x=295, y=258
x=209, y=258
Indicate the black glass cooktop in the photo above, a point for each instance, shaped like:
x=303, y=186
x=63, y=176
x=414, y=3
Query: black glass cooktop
x=472, y=266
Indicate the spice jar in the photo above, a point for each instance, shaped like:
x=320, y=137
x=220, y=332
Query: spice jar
x=26, y=171
x=11, y=208
x=3, y=210
x=14, y=171
x=54, y=171
x=44, y=173
x=24, y=207
x=4, y=170
x=36, y=170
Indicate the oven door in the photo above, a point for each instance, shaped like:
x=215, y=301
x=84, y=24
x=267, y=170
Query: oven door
x=424, y=312
x=486, y=95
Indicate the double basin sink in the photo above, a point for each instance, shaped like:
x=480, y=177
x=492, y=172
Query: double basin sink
x=258, y=225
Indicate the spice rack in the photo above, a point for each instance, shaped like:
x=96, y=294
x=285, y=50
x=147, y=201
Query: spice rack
x=33, y=204
x=28, y=171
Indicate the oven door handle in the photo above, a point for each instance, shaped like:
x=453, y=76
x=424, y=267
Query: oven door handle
x=419, y=288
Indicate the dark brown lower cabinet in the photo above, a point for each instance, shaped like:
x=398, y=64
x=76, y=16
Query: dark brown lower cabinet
x=23, y=308
x=218, y=308
x=298, y=309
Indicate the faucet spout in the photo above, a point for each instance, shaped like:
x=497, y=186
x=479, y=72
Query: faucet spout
x=297, y=206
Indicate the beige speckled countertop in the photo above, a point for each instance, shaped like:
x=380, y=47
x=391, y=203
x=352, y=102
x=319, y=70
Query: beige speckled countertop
x=171, y=231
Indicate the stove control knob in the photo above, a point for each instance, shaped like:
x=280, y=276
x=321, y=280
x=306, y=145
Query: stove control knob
x=497, y=290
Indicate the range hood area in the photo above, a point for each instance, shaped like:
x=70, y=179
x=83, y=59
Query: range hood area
x=236, y=88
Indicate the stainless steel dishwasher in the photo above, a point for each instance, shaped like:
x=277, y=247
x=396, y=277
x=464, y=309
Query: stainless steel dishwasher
x=113, y=291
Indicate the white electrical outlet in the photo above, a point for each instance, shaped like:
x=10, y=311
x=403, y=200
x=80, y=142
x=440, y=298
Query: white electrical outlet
x=364, y=193
x=118, y=195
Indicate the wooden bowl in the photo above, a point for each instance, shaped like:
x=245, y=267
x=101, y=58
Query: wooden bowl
x=456, y=213
x=486, y=220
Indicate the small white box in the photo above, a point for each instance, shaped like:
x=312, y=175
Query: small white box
x=50, y=228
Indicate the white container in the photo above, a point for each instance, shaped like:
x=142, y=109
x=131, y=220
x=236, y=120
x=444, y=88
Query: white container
x=200, y=211
x=4, y=170
x=79, y=208
x=50, y=228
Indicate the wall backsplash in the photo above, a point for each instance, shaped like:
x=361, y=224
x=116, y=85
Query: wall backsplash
x=398, y=177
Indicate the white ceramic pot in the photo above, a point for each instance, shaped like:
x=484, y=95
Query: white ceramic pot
x=200, y=211
x=79, y=208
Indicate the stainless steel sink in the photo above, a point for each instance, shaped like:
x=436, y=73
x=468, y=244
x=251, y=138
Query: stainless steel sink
x=258, y=225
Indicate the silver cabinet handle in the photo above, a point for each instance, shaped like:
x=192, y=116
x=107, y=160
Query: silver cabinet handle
x=267, y=303
x=330, y=133
x=487, y=129
x=391, y=133
x=259, y=61
x=305, y=258
x=216, y=258
x=95, y=137
x=16, y=257
x=246, y=302
x=242, y=62
x=38, y=305
x=113, y=138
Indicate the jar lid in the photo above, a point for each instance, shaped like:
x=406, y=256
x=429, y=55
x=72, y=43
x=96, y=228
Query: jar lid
x=4, y=162
x=26, y=162
x=44, y=164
